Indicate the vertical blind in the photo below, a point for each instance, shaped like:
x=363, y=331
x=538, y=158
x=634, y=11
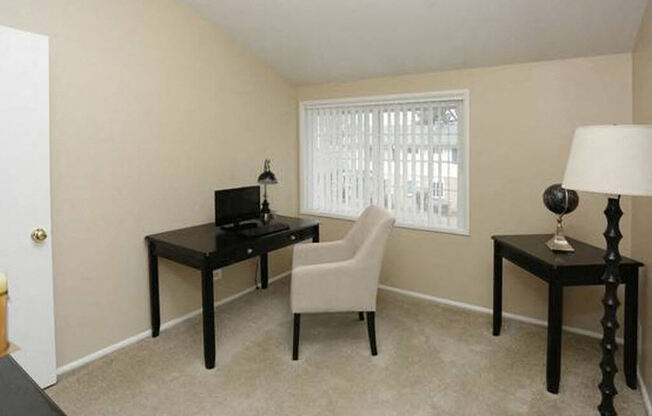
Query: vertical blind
x=407, y=156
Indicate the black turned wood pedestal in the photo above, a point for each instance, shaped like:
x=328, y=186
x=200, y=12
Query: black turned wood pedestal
x=584, y=267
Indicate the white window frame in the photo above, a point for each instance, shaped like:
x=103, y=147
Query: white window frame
x=462, y=95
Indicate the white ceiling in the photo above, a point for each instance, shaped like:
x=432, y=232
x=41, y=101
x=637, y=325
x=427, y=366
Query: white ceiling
x=312, y=41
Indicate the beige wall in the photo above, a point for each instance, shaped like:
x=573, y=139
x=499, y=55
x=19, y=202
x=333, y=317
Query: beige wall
x=522, y=122
x=642, y=219
x=152, y=108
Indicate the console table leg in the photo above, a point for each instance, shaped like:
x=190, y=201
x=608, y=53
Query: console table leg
x=264, y=271
x=498, y=291
x=555, y=313
x=154, y=303
x=208, y=315
x=631, y=328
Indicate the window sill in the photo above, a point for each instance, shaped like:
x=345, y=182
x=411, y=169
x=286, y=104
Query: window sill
x=454, y=231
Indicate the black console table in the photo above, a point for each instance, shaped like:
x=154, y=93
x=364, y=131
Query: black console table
x=207, y=248
x=20, y=395
x=583, y=267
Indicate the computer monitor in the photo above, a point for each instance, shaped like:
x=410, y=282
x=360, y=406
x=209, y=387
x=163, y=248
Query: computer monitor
x=236, y=205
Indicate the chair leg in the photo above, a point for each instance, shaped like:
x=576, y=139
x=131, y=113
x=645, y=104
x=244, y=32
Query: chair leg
x=371, y=329
x=295, y=336
x=361, y=316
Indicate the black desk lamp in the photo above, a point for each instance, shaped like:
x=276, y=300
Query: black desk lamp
x=266, y=178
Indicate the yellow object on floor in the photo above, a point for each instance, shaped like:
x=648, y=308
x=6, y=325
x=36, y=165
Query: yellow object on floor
x=4, y=342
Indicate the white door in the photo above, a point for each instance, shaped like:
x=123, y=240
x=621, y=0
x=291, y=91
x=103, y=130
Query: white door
x=25, y=200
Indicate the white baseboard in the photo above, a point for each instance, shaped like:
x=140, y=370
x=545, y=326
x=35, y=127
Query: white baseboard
x=644, y=393
x=169, y=324
x=482, y=309
x=146, y=334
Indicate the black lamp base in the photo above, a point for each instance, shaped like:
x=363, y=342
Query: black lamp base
x=265, y=209
x=611, y=278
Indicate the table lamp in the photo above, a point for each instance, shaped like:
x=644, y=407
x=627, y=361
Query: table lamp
x=266, y=178
x=614, y=160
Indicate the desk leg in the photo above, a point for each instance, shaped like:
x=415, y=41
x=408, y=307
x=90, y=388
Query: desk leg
x=264, y=271
x=631, y=327
x=208, y=314
x=498, y=291
x=555, y=313
x=154, y=303
x=315, y=236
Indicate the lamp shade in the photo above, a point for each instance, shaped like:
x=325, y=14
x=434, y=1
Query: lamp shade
x=267, y=177
x=613, y=159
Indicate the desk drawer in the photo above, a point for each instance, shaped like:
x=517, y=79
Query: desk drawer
x=239, y=253
x=286, y=238
x=258, y=246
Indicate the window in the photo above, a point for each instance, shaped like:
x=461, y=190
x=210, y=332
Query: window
x=406, y=153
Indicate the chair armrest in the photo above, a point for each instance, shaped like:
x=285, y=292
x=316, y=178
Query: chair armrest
x=333, y=287
x=317, y=253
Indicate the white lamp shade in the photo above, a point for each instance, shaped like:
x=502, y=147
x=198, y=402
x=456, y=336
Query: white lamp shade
x=615, y=159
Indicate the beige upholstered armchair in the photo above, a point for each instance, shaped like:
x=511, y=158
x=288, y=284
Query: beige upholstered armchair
x=341, y=276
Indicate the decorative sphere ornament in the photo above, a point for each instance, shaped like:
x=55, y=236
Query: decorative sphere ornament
x=560, y=201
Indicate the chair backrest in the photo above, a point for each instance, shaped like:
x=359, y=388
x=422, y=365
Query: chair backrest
x=369, y=234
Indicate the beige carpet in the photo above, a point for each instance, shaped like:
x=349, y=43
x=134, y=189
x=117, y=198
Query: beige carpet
x=432, y=360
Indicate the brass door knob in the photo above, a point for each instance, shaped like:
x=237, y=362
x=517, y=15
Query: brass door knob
x=39, y=235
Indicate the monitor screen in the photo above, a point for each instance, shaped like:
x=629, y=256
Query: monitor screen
x=235, y=205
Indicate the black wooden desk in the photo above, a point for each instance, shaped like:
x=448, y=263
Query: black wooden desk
x=583, y=267
x=207, y=248
x=20, y=395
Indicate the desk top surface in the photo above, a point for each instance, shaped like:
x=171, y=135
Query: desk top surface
x=534, y=245
x=19, y=395
x=207, y=238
